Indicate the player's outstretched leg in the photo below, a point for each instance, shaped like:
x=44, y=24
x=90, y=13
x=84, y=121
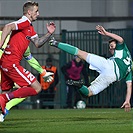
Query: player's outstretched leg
x=64, y=46
x=74, y=51
x=2, y=104
x=23, y=92
x=2, y=116
x=9, y=105
x=14, y=102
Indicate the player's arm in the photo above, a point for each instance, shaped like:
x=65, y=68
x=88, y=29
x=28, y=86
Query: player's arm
x=42, y=40
x=126, y=104
x=132, y=65
x=35, y=64
x=4, y=45
x=32, y=61
x=6, y=31
x=102, y=31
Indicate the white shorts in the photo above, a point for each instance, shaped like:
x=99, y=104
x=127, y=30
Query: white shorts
x=106, y=70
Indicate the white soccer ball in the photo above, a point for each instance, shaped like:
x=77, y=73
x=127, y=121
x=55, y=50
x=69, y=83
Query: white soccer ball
x=81, y=104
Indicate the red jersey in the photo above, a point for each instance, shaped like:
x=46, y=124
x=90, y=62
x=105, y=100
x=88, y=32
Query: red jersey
x=12, y=71
x=19, y=41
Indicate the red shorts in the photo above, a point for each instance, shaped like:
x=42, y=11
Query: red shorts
x=15, y=74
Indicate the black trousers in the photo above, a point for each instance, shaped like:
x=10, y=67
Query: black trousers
x=73, y=96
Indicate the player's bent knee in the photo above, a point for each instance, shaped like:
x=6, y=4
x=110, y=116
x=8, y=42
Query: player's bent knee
x=36, y=85
x=90, y=93
x=38, y=89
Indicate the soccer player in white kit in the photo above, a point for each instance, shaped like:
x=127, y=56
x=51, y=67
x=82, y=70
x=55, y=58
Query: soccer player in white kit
x=110, y=70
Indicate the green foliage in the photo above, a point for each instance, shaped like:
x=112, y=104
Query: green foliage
x=68, y=121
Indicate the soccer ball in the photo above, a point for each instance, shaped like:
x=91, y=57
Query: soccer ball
x=81, y=104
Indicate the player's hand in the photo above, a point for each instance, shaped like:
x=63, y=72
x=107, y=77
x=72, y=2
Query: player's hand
x=47, y=76
x=51, y=27
x=127, y=106
x=101, y=30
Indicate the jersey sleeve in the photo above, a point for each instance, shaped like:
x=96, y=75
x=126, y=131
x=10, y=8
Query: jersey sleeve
x=22, y=23
x=35, y=64
x=32, y=61
x=26, y=26
x=129, y=77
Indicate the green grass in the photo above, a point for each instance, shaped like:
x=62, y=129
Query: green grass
x=68, y=121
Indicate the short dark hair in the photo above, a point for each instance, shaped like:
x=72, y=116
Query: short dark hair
x=28, y=5
x=49, y=59
x=113, y=40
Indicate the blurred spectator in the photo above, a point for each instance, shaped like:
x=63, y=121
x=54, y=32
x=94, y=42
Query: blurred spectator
x=74, y=71
x=49, y=88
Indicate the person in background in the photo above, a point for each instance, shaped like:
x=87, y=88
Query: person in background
x=49, y=88
x=74, y=71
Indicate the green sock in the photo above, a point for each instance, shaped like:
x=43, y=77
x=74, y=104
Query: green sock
x=84, y=90
x=14, y=102
x=68, y=48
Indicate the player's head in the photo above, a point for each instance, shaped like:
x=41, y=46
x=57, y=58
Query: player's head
x=30, y=9
x=112, y=45
x=49, y=62
x=77, y=59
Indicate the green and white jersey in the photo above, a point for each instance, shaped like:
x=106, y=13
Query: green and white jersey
x=123, y=60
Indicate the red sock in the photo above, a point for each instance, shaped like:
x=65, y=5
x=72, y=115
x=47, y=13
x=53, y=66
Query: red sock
x=5, y=97
x=22, y=93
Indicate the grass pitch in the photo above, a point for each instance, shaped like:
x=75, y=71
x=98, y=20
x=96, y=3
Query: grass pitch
x=68, y=121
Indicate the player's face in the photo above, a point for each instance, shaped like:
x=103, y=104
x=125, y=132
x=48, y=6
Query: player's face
x=34, y=13
x=112, y=46
x=48, y=64
x=78, y=59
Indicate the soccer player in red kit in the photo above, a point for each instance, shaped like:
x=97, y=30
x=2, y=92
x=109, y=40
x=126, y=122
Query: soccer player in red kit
x=22, y=33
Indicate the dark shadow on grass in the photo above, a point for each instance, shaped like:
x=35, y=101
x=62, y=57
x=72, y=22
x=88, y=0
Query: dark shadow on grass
x=85, y=119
